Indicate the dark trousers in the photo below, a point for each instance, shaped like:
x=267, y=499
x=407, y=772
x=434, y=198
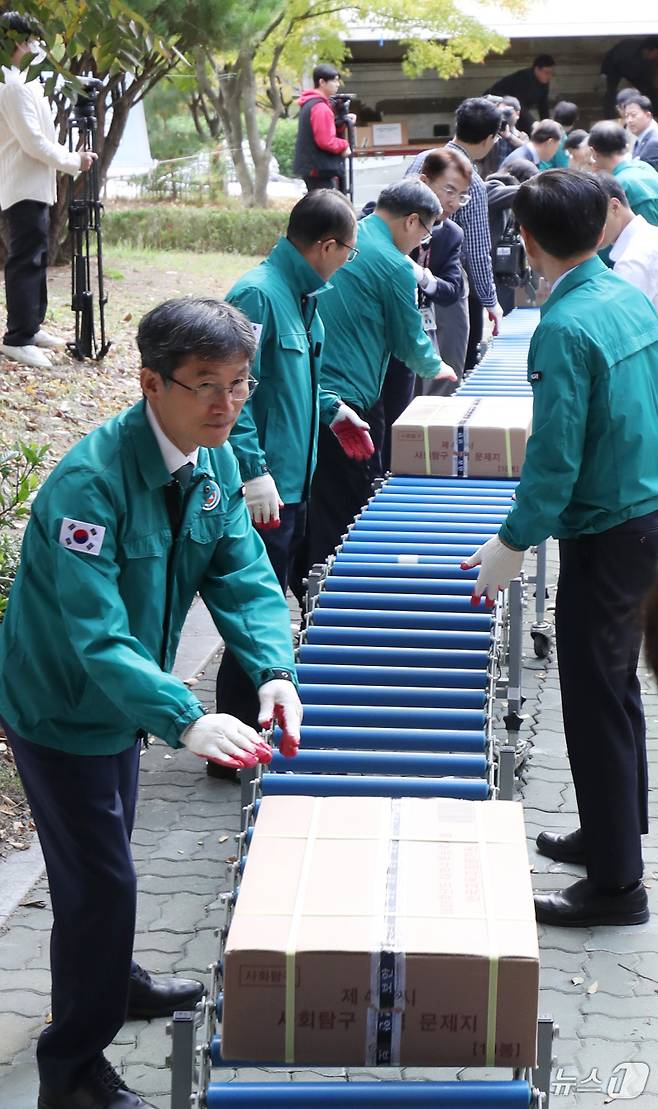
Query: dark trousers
x=323, y=181
x=84, y=808
x=396, y=395
x=236, y=693
x=340, y=489
x=603, y=580
x=25, y=270
x=476, y=327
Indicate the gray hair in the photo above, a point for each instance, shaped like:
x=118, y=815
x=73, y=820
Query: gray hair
x=407, y=196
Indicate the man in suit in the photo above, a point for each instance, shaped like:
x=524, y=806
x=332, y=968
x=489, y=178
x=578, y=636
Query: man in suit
x=542, y=145
x=638, y=117
x=633, y=60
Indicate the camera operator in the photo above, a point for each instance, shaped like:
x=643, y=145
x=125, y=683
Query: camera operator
x=508, y=258
x=321, y=149
x=29, y=158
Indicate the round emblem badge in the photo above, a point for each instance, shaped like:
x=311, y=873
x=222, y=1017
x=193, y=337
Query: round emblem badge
x=212, y=495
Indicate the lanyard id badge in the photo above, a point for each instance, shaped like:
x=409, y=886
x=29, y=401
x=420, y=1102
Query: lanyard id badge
x=428, y=318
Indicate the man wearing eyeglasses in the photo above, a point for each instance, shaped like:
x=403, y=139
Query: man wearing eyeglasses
x=137, y=518
x=276, y=434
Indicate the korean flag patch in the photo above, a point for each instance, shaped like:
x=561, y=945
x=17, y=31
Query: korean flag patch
x=80, y=536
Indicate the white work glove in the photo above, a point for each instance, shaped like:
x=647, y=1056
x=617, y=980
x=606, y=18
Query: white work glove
x=352, y=433
x=495, y=314
x=425, y=279
x=280, y=704
x=225, y=739
x=499, y=564
x=263, y=501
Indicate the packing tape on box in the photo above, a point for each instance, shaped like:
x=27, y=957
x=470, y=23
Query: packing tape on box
x=461, y=446
x=388, y=966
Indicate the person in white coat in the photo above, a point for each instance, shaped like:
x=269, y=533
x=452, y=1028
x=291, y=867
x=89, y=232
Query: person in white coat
x=30, y=157
x=634, y=242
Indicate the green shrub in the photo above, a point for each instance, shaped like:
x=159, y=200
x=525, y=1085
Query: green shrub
x=283, y=145
x=19, y=469
x=178, y=227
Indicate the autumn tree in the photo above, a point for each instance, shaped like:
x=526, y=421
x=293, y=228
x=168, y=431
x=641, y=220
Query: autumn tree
x=261, y=48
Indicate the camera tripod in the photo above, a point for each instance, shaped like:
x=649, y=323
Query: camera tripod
x=85, y=217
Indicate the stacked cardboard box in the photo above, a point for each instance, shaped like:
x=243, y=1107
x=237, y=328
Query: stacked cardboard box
x=462, y=436
x=379, y=931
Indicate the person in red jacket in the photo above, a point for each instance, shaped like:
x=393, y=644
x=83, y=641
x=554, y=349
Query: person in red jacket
x=320, y=151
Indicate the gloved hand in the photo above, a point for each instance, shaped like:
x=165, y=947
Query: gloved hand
x=279, y=703
x=225, y=739
x=446, y=373
x=352, y=433
x=425, y=279
x=499, y=564
x=495, y=314
x=263, y=501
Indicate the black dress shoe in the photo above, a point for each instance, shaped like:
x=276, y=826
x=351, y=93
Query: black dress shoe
x=160, y=995
x=101, y=1088
x=567, y=848
x=582, y=905
x=227, y=773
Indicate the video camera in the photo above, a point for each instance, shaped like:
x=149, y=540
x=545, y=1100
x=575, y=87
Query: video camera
x=84, y=105
x=340, y=103
x=510, y=261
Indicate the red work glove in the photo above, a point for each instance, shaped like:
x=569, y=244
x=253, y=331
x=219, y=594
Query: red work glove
x=352, y=434
x=279, y=703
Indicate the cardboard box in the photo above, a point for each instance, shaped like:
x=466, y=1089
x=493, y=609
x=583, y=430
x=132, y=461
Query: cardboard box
x=391, y=133
x=462, y=436
x=383, y=931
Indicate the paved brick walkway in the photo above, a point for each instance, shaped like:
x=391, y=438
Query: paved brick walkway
x=601, y=985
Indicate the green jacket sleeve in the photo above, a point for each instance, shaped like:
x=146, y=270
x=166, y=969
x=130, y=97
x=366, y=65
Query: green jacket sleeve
x=558, y=369
x=329, y=403
x=86, y=589
x=405, y=336
x=245, y=599
x=244, y=436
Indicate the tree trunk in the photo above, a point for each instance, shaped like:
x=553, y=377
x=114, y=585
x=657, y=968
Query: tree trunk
x=226, y=100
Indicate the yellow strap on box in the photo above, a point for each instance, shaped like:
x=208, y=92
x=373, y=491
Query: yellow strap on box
x=291, y=947
x=426, y=443
x=508, y=452
x=492, y=997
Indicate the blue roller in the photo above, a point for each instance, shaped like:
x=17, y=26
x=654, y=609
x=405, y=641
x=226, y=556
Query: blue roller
x=406, y=763
x=456, y=586
x=359, y=546
x=422, y=484
x=350, y=785
x=457, y=541
x=426, y=500
x=384, y=648
x=411, y=515
x=348, y=567
x=393, y=696
x=476, y=620
x=395, y=676
x=389, y=739
x=369, y=1095
x=392, y=716
x=446, y=527
x=397, y=602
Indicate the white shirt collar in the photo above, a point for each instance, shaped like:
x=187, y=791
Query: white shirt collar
x=173, y=457
x=562, y=277
x=636, y=226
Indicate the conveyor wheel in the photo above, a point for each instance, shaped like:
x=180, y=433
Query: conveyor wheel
x=542, y=643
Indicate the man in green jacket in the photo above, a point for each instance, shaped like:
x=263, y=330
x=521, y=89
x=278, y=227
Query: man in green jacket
x=369, y=313
x=608, y=143
x=590, y=479
x=136, y=519
x=276, y=434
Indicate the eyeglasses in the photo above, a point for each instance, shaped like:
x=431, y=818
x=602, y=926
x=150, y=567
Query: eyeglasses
x=352, y=252
x=451, y=193
x=428, y=237
x=208, y=392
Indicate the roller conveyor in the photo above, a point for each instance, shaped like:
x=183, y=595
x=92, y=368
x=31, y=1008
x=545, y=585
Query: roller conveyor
x=397, y=674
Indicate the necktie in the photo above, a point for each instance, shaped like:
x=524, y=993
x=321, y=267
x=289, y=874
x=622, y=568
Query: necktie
x=183, y=475
x=175, y=494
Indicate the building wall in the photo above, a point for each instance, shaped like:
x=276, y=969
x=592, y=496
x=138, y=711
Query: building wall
x=376, y=77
